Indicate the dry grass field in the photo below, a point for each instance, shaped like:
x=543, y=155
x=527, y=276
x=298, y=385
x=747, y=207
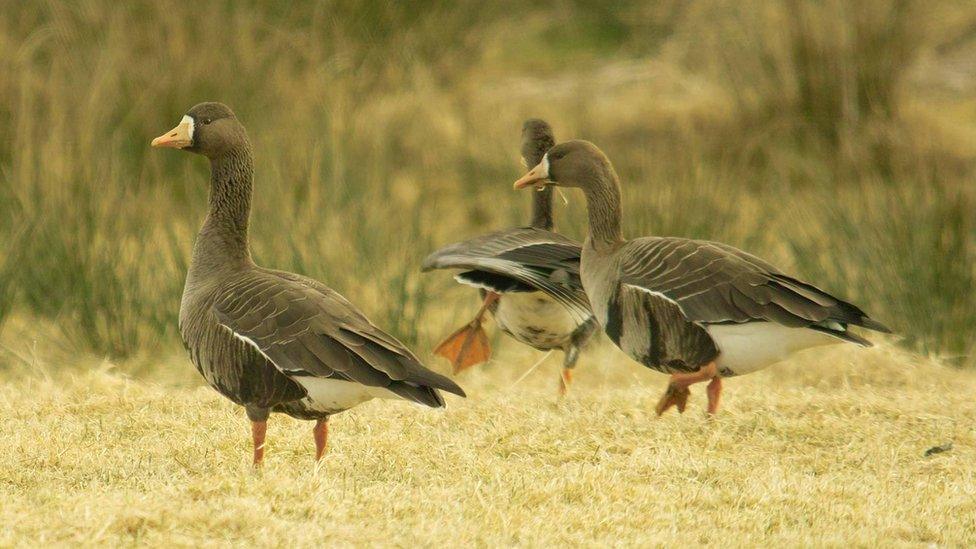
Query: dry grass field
x=835, y=139
x=827, y=449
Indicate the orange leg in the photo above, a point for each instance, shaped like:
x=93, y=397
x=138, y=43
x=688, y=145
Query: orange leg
x=677, y=392
x=490, y=297
x=565, y=380
x=469, y=345
x=258, y=430
x=714, y=391
x=321, y=434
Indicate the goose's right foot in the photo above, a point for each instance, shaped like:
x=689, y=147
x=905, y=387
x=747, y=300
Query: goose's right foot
x=676, y=395
x=677, y=392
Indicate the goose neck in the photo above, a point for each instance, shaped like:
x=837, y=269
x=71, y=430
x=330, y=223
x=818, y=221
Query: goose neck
x=224, y=236
x=542, y=209
x=604, y=211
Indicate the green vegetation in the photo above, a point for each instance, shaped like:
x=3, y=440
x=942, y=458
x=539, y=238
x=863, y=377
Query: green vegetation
x=837, y=139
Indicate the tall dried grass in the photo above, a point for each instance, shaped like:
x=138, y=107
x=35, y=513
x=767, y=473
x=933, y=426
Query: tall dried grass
x=792, y=128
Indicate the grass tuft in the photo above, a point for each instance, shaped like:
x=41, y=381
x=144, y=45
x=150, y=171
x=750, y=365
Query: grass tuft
x=825, y=450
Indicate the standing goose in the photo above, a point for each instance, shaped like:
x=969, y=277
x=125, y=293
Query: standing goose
x=697, y=310
x=510, y=268
x=268, y=340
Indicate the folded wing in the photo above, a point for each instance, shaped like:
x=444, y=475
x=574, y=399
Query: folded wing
x=306, y=329
x=716, y=283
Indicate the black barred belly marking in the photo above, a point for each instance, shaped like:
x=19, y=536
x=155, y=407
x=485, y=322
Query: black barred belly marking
x=237, y=371
x=653, y=332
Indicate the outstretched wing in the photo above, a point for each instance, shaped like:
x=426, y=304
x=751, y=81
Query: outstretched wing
x=716, y=283
x=306, y=329
x=523, y=259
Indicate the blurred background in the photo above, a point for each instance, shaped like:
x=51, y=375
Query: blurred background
x=836, y=139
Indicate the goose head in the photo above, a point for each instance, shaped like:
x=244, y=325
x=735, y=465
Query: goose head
x=210, y=129
x=574, y=163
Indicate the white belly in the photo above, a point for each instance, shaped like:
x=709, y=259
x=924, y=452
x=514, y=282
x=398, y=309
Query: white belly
x=535, y=319
x=333, y=395
x=752, y=346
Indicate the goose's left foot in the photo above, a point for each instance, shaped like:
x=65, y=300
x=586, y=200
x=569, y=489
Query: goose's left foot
x=677, y=391
x=321, y=434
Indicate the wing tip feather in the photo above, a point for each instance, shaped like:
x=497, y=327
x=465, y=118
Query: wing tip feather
x=871, y=324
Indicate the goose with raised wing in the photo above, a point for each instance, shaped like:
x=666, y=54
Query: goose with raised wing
x=268, y=340
x=512, y=269
x=697, y=310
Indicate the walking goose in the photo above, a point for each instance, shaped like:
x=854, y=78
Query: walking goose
x=510, y=268
x=268, y=340
x=694, y=309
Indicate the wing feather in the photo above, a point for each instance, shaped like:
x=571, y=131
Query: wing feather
x=717, y=283
x=305, y=328
x=539, y=259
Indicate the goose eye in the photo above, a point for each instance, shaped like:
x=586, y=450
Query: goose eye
x=206, y=121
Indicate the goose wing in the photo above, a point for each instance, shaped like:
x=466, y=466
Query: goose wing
x=716, y=283
x=307, y=329
x=524, y=259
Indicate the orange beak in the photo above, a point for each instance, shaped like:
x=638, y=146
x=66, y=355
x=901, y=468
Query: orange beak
x=179, y=137
x=535, y=175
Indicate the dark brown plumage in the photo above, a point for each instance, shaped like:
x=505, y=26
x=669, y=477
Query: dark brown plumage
x=270, y=340
x=696, y=309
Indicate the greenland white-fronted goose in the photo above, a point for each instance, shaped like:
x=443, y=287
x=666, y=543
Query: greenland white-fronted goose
x=270, y=340
x=694, y=309
x=510, y=268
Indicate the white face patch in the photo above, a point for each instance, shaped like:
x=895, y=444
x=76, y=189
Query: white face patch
x=188, y=120
x=543, y=172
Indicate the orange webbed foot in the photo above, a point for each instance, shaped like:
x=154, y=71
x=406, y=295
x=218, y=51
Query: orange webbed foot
x=676, y=395
x=465, y=347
